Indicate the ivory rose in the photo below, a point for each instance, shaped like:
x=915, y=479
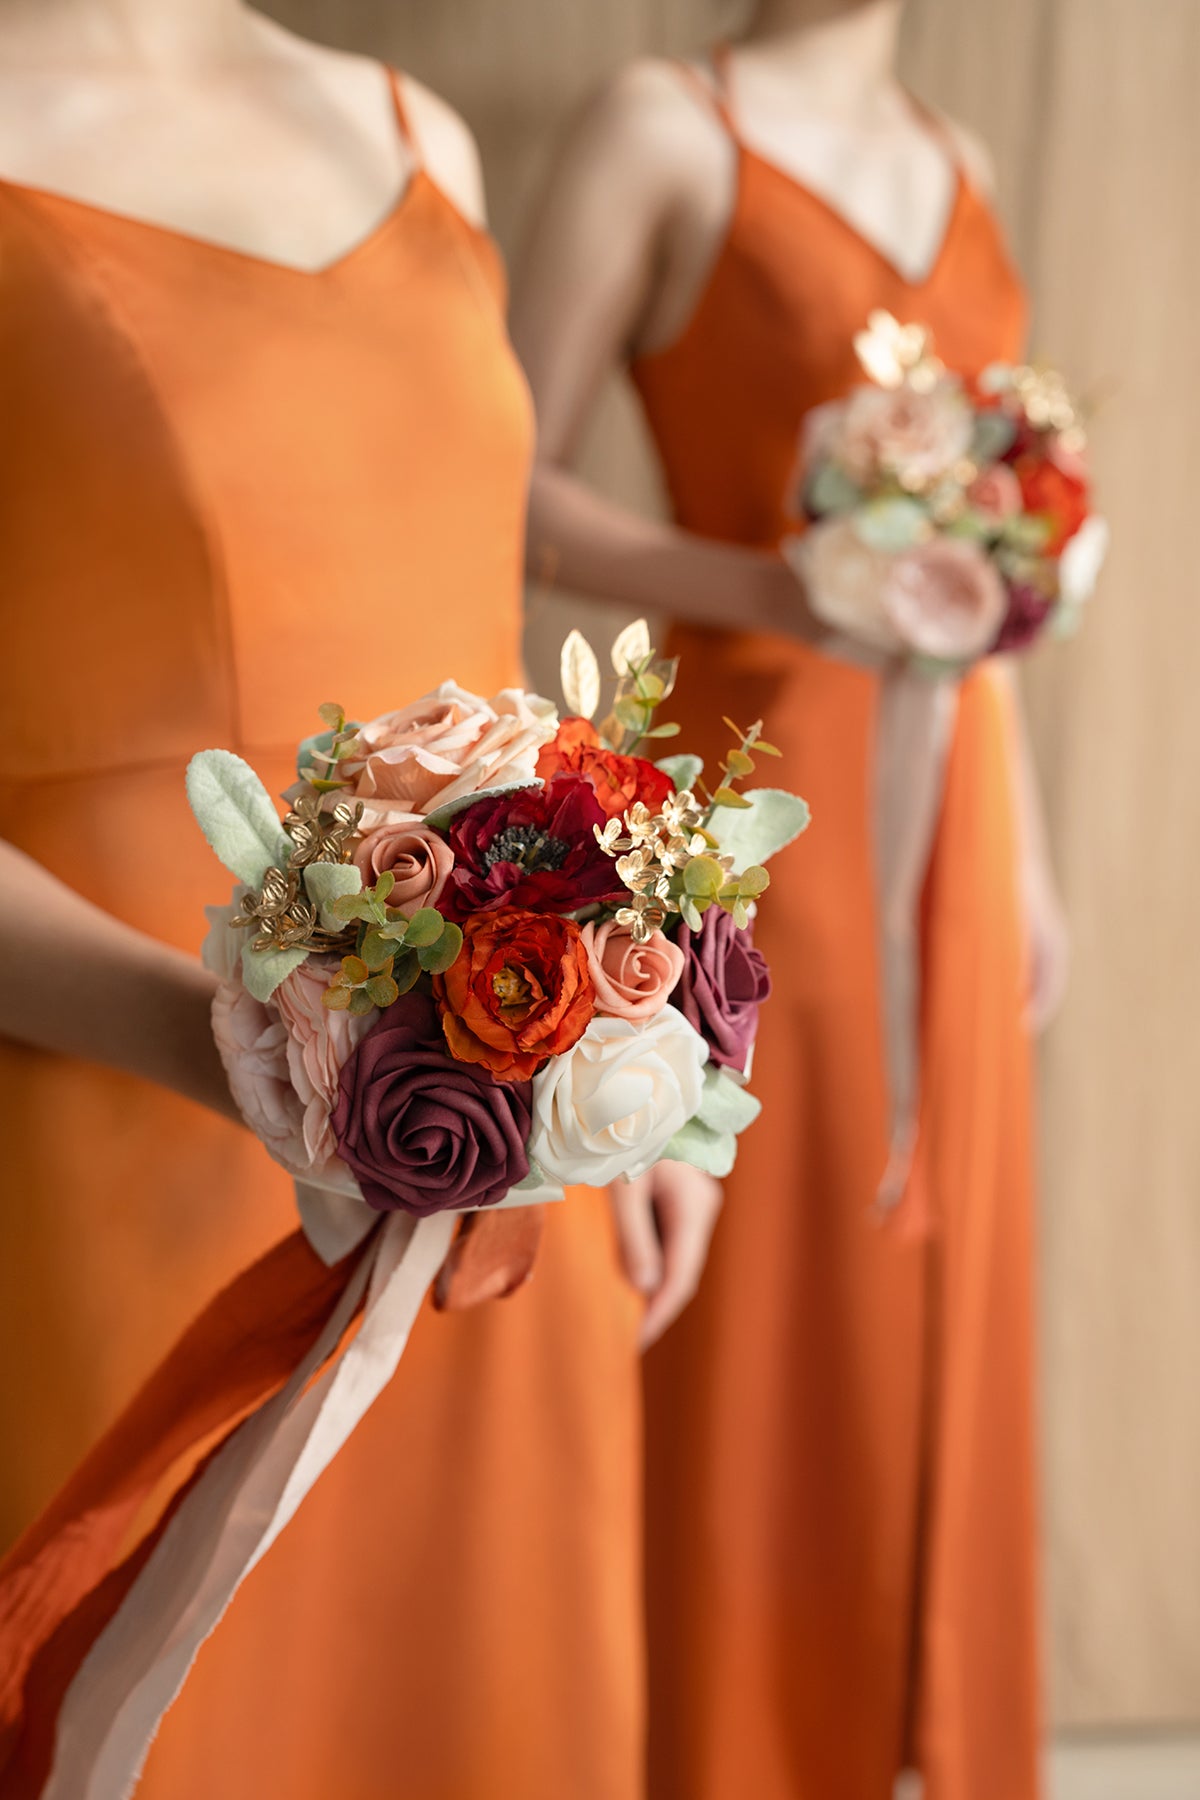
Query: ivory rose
x=449, y=745
x=632, y=981
x=946, y=600
x=844, y=580
x=420, y=860
x=916, y=436
x=611, y=1105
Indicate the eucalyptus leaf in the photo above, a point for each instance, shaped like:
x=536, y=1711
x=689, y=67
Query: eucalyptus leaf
x=892, y=524
x=682, y=771
x=440, y=819
x=263, y=970
x=424, y=928
x=830, y=490
x=327, y=882
x=236, y=814
x=714, y=1152
x=994, y=433
x=774, y=819
x=436, y=958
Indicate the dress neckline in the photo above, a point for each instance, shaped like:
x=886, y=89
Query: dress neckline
x=414, y=179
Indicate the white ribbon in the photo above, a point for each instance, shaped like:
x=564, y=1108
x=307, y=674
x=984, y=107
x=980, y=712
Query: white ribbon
x=236, y=1510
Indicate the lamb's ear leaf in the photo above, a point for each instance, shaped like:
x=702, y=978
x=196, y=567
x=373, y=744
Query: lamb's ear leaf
x=713, y=1151
x=236, y=814
x=726, y=1107
x=327, y=882
x=439, y=819
x=773, y=820
x=263, y=970
x=683, y=772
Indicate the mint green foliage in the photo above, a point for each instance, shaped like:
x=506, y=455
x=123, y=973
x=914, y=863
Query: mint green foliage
x=993, y=435
x=263, y=970
x=425, y=942
x=773, y=820
x=831, y=491
x=236, y=814
x=327, y=882
x=682, y=771
x=892, y=524
x=709, y=1141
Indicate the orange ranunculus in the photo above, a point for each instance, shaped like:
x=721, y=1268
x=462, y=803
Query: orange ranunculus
x=618, y=781
x=519, y=993
x=1056, y=495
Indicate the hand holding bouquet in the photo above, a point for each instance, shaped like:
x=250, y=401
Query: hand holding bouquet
x=483, y=956
x=948, y=518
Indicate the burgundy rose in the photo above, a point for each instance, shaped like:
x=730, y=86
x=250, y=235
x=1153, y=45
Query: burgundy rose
x=1027, y=612
x=724, y=982
x=422, y=1132
x=534, y=851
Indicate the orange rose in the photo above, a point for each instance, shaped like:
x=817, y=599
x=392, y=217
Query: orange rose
x=1051, y=491
x=519, y=993
x=618, y=781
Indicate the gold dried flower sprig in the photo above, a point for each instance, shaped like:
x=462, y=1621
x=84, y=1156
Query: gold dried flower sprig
x=644, y=682
x=281, y=912
x=671, y=861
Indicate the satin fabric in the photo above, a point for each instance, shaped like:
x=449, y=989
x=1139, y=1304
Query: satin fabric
x=841, y=1540
x=228, y=492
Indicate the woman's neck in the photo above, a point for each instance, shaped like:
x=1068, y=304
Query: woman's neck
x=155, y=35
x=839, y=46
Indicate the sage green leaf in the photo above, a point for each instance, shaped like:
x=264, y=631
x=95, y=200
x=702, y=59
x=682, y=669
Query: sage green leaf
x=440, y=818
x=436, y=958
x=713, y=1151
x=727, y=1107
x=327, y=882
x=830, y=490
x=994, y=433
x=406, y=971
x=892, y=524
x=263, y=970
x=236, y=814
x=774, y=820
x=424, y=928
x=683, y=772
x=376, y=950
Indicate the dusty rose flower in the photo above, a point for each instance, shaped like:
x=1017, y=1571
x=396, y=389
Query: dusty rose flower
x=946, y=599
x=916, y=437
x=320, y=1043
x=996, y=494
x=844, y=580
x=725, y=981
x=632, y=981
x=419, y=859
x=450, y=744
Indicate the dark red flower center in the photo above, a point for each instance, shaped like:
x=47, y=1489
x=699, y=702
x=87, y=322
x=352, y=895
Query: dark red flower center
x=529, y=847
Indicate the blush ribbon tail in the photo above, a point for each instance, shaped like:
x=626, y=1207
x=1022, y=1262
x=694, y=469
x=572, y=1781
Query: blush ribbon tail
x=914, y=731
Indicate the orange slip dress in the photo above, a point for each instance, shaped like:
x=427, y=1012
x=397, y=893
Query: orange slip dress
x=229, y=491
x=841, y=1539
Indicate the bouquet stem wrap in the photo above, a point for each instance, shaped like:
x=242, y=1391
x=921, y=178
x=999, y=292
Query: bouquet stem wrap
x=95, y=1644
x=914, y=731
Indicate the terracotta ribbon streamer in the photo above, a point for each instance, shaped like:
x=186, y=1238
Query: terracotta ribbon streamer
x=914, y=731
x=93, y=1649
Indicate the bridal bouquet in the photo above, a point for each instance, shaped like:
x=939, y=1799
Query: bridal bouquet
x=488, y=953
x=948, y=518
x=484, y=954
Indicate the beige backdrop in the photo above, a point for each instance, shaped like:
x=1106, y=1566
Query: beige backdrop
x=1090, y=106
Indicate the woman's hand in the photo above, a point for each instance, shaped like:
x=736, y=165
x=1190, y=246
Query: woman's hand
x=664, y=1224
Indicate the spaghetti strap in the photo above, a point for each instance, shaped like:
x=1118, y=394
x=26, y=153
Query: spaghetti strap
x=411, y=141
x=712, y=89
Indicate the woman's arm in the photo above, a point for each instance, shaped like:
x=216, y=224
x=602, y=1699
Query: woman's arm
x=615, y=264
x=75, y=980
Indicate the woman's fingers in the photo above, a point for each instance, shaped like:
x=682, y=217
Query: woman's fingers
x=637, y=1235
x=686, y=1204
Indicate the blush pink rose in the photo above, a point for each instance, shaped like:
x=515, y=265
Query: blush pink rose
x=320, y=1042
x=253, y=1044
x=419, y=859
x=448, y=745
x=945, y=599
x=844, y=580
x=996, y=494
x=917, y=437
x=632, y=981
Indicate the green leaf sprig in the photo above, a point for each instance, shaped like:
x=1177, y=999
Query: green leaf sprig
x=393, y=950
